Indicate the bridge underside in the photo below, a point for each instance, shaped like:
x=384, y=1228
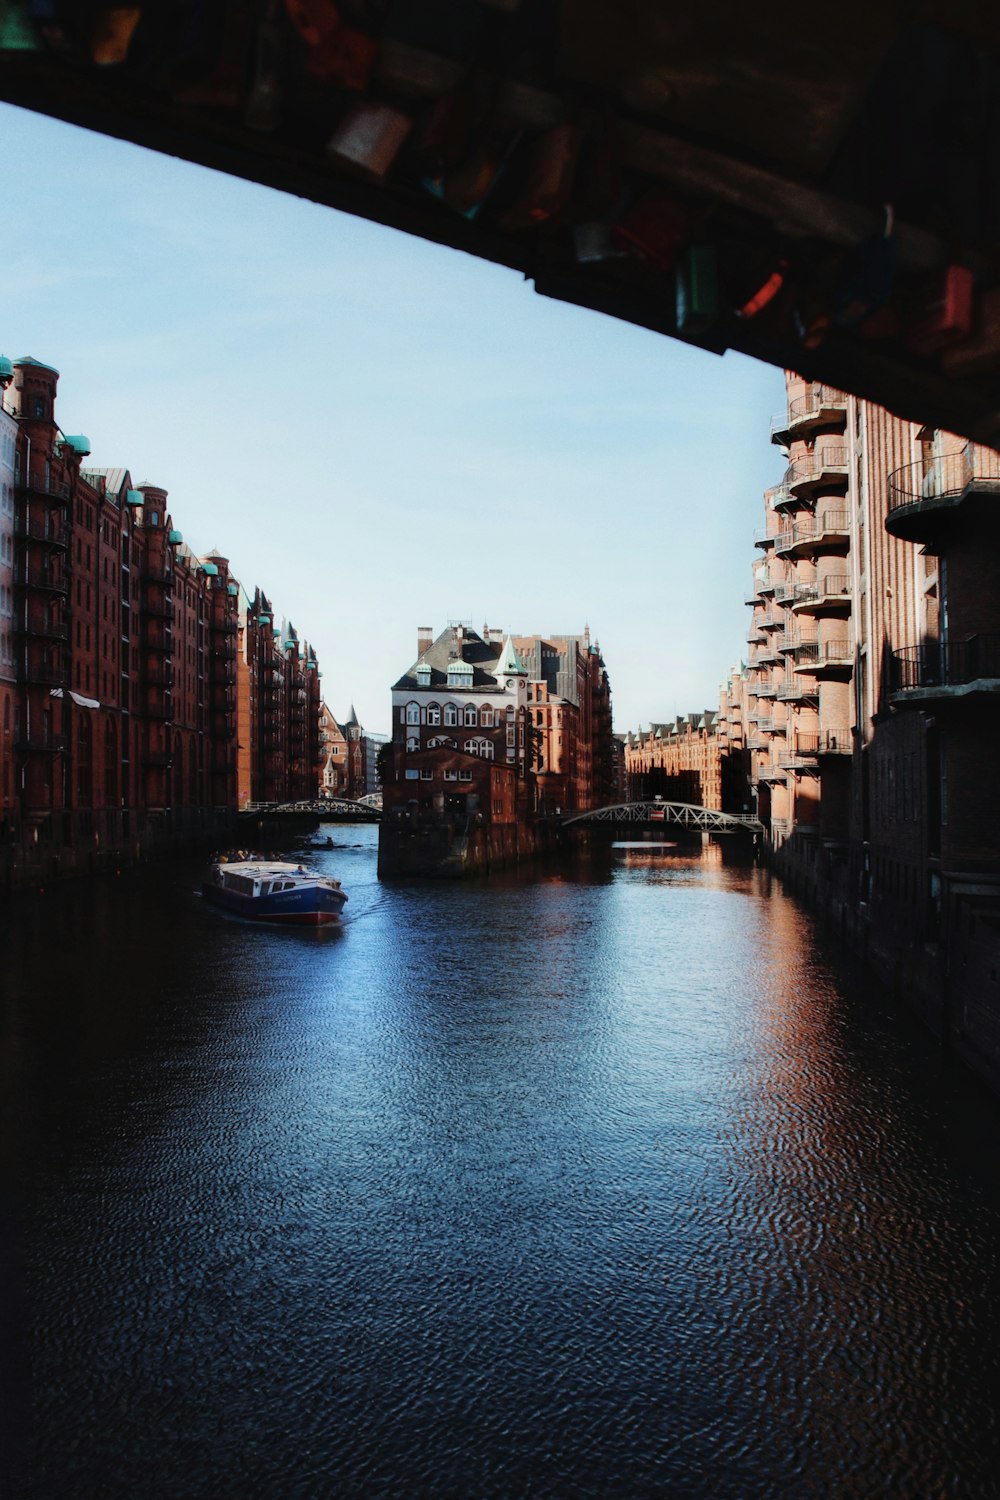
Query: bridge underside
x=718, y=173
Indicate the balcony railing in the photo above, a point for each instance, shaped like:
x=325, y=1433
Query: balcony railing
x=835, y=588
x=802, y=753
x=836, y=742
x=38, y=530
x=827, y=463
x=924, y=496
x=28, y=577
x=794, y=689
x=158, y=609
x=41, y=744
x=812, y=531
x=820, y=404
x=42, y=630
x=944, y=478
x=811, y=655
x=944, y=664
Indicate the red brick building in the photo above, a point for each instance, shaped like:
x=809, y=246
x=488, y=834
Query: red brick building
x=278, y=687
x=569, y=711
x=873, y=709
x=119, y=660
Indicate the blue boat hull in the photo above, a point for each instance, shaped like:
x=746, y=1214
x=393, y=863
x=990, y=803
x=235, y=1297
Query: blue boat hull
x=297, y=908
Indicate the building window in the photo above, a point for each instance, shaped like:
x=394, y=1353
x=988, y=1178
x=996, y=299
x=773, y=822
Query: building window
x=433, y=713
x=423, y=677
x=465, y=775
x=450, y=715
x=486, y=717
x=451, y=775
x=471, y=716
x=413, y=713
x=412, y=775
x=412, y=743
x=427, y=776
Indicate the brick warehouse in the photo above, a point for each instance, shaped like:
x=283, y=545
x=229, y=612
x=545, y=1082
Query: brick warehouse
x=873, y=699
x=127, y=663
x=480, y=746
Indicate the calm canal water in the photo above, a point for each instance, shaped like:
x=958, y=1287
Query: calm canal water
x=601, y=1182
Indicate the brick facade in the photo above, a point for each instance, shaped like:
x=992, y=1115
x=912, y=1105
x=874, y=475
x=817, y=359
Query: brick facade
x=123, y=699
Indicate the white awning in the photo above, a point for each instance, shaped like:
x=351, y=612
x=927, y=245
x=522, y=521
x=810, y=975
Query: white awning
x=77, y=698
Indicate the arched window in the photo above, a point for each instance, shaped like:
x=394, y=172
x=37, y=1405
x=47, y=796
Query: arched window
x=471, y=716
x=450, y=715
x=413, y=713
x=433, y=713
x=412, y=744
x=486, y=716
x=480, y=747
x=441, y=742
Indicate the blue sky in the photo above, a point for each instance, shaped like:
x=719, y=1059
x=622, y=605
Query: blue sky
x=384, y=433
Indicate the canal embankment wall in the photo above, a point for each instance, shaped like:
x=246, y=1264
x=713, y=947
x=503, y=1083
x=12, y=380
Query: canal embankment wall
x=941, y=964
x=440, y=849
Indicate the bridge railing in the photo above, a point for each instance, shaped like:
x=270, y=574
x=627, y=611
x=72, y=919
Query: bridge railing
x=682, y=814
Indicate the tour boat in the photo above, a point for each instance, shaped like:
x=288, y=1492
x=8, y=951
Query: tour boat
x=273, y=890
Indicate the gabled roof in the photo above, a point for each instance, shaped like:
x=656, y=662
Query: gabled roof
x=472, y=651
x=114, y=479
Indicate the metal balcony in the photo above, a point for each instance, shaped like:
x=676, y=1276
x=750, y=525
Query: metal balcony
x=836, y=742
x=28, y=576
x=36, y=530
x=770, y=771
x=832, y=659
x=794, y=690
x=926, y=497
x=820, y=407
x=826, y=596
x=157, y=609
x=42, y=630
x=802, y=754
x=826, y=532
x=40, y=744
x=943, y=670
x=826, y=468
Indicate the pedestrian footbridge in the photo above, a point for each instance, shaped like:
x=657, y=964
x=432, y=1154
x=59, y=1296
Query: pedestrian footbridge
x=679, y=814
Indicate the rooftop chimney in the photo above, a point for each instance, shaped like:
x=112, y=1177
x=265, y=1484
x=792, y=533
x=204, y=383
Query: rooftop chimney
x=425, y=639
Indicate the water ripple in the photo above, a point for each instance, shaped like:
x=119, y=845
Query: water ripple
x=597, y=1183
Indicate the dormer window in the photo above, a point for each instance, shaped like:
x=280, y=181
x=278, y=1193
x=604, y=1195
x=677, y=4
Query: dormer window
x=459, y=674
x=423, y=675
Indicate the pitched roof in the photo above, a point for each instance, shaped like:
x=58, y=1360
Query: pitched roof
x=472, y=650
x=509, y=664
